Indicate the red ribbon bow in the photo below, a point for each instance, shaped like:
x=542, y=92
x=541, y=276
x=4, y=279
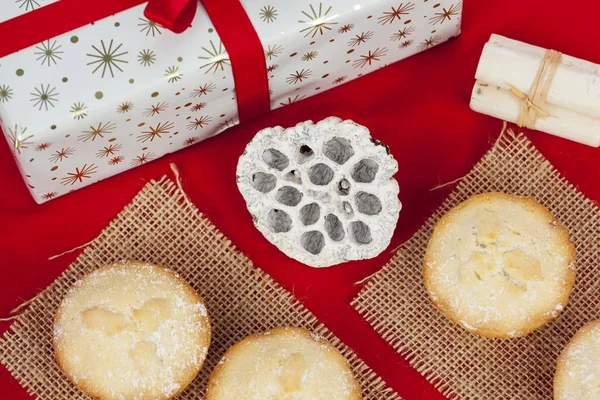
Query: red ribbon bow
x=228, y=17
x=175, y=15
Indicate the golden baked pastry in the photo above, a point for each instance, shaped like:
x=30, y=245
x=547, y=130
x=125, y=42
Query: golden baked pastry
x=131, y=331
x=578, y=367
x=283, y=364
x=499, y=265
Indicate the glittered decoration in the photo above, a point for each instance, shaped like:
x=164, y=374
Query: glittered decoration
x=215, y=59
x=18, y=138
x=173, y=74
x=317, y=21
x=187, y=79
x=79, y=110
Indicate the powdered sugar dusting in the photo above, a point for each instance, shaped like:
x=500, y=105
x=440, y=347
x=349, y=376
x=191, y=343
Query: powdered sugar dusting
x=498, y=266
x=578, y=371
x=132, y=330
x=283, y=363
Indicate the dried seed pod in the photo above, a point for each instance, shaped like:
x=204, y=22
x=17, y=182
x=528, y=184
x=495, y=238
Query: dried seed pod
x=323, y=194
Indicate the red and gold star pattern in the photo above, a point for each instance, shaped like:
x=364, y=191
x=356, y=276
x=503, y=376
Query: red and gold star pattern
x=346, y=28
x=109, y=150
x=311, y=55
x=406, y=43
x=190, y=141
x=199, y=122
x=143, y=159
x=98, y=131
x=156, y=109
x=197, y=106
x=42, y=146
x=49, y=195
x=79, y=175
x=155, y=132
x=291, y=100
x=317, y=21
x=362, y=38
x=402, y=33
x=61, y=154
x=203, y=90
x=446, y=14
x=273, y=51
x=298, y=76
x=116, y=160
x=396, y=14
x=368, y=58
x=429, y=43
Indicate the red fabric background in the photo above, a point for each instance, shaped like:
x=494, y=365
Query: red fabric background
x=419, y=107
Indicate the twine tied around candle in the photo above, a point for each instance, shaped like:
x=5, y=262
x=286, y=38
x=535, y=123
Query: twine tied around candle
x=532, y=105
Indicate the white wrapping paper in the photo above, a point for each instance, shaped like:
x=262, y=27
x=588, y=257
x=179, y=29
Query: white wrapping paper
x=123, y=91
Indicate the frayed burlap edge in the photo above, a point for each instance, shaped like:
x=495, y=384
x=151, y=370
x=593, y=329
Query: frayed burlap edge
x=462, y=365
x=161, y=225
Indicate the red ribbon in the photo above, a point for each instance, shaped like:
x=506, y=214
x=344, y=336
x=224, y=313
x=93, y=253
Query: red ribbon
x=228, y=17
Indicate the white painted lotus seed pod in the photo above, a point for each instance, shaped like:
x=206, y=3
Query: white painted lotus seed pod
x=323, y=194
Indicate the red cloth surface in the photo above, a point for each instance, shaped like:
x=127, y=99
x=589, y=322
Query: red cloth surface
x=419, y=107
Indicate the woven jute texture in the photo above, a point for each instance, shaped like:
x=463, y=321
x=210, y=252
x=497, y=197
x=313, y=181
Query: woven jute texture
x=462, y=365
x=161, y=226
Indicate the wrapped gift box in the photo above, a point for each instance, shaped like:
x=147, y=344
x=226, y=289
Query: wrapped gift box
x=123, y=91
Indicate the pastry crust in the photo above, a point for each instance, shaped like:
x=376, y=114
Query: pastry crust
x=499, y=265
x=578, y=368
x=131, y=331
x=284, y=363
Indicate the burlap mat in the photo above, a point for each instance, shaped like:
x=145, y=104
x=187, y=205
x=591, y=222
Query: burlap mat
x=462, y=365
x=160, y=225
